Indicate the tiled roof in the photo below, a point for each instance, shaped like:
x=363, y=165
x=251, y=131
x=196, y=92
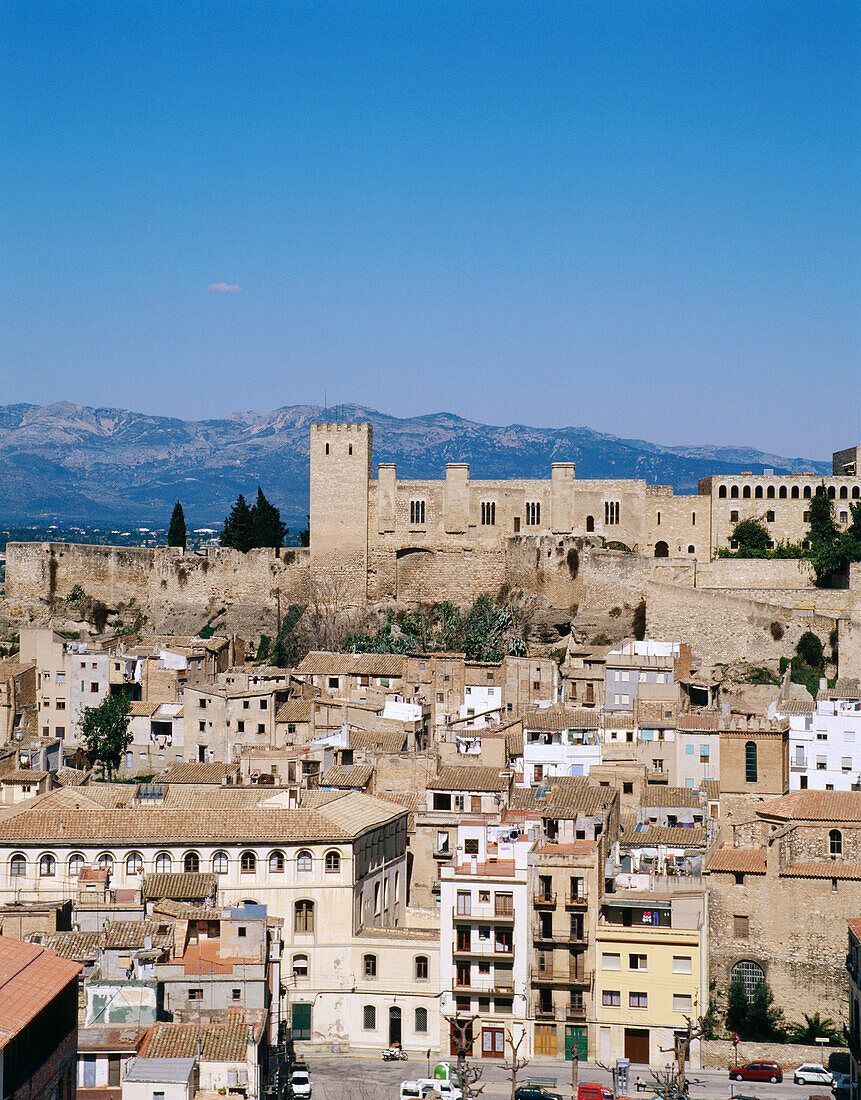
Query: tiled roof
x=351, y=664
x=180, y=885
x=409, y=800
x=618, y=721
x=845, y=688
x=711, y=789
x=79, y=946
x=30, y=977
x=348, y=775
x=294, y=710
x=193, y=772
x=378, y=740
x=180, y=910
x=747, y=860
x=656, y=794
x=24, y=776
x=796, y=706
x=823, y=870
x=222, y=1042
x=560, y=718
x=131, y=935
x=855, y=926
x=674, y=836
x=565, y=797
x=11, y=666
x=700, y=721
x=467, y=778
x=71, y=777
x=357, y=811
x=316, y=797
x=110, y=1038
x=138, y=709
x=815, y=806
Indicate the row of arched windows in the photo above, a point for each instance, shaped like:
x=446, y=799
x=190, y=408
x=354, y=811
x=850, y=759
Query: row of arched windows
x=369, y=1018
x=190, y=863
x=420, y=967
x=782, y=492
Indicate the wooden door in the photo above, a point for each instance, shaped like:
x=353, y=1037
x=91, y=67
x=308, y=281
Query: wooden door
x=637, y=1045
x=492, y=1042
x=545, y=1039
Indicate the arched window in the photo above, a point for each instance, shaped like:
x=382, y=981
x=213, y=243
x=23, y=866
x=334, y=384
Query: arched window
x=794, y=492
x=734, y=492
x=369, y=1018
x=662, y=550
x=333, y=862
x=303, y=916
x=276, y=862
x=856, y=492
x=533, y=513
x=421, y=968
x=105, y=862
x=758, y=492
x=421, y=1020
x=590, y=523
x=18, y=864
x=488, y=513
x=807, y=492
x=844, y=492
x=377, y=898
x=691, y=550
x=750, y=762
x=304, y=862
x=770, y=492
x=417, y=513
x=219, y=863
x=300, y=966
x=751, y=974
x=782, y=492
x=835, y=843
x=163, y=863
x=369, y=966
x=191, y=863
x=831, y=492
x=76, y=864
x=722, y=492
x=746, y=492
x=611, y=512
x=47, y=866
x=134, y=863
x=248, y=863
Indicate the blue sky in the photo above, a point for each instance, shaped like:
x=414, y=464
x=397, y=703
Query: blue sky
x=641, y=217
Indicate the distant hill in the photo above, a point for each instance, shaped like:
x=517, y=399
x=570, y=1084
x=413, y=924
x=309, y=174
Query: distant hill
x=68, y=463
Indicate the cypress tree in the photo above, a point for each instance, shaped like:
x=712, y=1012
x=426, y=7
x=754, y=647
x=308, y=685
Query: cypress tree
x=238, y=531
x=268, y=528
x=177, y=534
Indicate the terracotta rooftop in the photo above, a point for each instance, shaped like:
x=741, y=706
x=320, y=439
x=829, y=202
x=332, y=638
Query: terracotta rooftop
x=81, y=947
x=701, y=721
x=564, y=797
x=221, y=1042
x=656, y=794
x=747, y=860
x=295, y=710
x=24, y=776
x=674, y=836
x=378, y=740
x=711, y=789
x=138, y=709
x=351, y=664
x=560, y=718
x=815, y=806
x=467, y=778
x=110, y=1038
x=131, y=935
x=348, y=775
x=823, y=870
x=193, y=772
x=31, y=976
x=855, y=926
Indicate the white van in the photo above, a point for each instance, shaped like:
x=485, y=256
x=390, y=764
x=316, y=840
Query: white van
x=424, y=1086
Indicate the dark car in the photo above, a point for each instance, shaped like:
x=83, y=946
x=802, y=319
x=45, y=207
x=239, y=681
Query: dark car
x=757, y=1071
x=535, y=1092
x=841, y=1086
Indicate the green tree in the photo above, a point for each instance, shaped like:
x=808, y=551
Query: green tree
x=287, y=651
x=238, y=531
x=736, y=1006
x=177, y=534
x=764, y=1020
x=752, y=538
x=822, y=525
x=105, y=733
x=268, y=528
x=809, y=649
x=815, y=1027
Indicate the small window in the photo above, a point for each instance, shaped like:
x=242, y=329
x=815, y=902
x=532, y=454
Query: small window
x=769, y=516
x=417, y=513
x=611, y=998
x=682, y=964
x=236, y=994
x=835, y=843
x=195, y=993
x=219, y=863
x=191, y=863
x=242, y=932
x=637, y=962
x=304, y=862
x=421, y=968
x=162, y=863
x=333, y=862
x=750, y=770
x=300, y=966
x=741, y=927
x=638, y=1000
x=611, y=961
x=47, y=866
x=369, y=1018
x=134, y=863
x=248, y=863
x=18, y=865
x=76, y=865
x=369, y=965
x=421, y=1023
x=470, y=846
x=303, y=916
x=488, y=513
x=276, y=862
x=683, y=1002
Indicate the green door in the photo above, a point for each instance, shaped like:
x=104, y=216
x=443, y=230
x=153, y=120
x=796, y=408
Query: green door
x=576, y=1040
x=301, y=1021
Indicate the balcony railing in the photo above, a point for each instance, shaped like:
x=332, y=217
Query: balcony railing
x=798, y=764
x=480, y=914
x=576, y=901
x=573, y=1010
x=570, y=936
x=544, y=900
x=484, y=947
x=485, y=985
x=560, y=976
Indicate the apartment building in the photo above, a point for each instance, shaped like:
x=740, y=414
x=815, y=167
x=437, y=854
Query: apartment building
x=484, y=937
x=559, y=741
x=646, y=669
x=824, y=738
x=652, y=972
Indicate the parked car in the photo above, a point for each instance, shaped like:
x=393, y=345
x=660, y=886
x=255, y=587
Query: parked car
x=840, y=1086
x=300, y=1084
x=591, y=1091
x=757, y=1071
x=424, y=1086
x=812, y=1073
x=535, y=1092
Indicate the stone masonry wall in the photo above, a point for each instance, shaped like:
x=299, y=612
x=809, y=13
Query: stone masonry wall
x=721, y=1054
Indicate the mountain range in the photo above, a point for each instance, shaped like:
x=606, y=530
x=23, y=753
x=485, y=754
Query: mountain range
x=69, y=463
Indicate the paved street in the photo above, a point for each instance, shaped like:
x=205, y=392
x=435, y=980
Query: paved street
x=358, y=1077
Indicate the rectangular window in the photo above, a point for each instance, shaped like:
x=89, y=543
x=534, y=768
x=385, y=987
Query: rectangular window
x=638, y=1000
x=741, y=927
x=683, y=1002
x=637, y=962
x=611, y=961
x=611, y=998
x=689, y=750
x=195, y=994
x=683, y=964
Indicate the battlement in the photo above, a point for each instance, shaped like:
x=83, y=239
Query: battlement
x=356, y=429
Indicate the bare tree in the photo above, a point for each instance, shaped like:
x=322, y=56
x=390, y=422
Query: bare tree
x=516, y=1063
x=461, y=1028
x=329, y=618
x=673, y=1080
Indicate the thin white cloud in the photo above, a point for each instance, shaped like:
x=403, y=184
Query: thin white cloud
x=225, y=288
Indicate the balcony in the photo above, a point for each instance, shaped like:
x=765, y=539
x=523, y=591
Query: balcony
x=576, y=901
x=569, y=936
x=484, y=949
x=574, y=1010
x=560, y=976
x=799, y=764
x=482, y=987
x=481, y=914
x=544, y=900
x=444, y=854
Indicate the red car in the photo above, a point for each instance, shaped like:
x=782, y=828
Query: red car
x=757, y=1071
